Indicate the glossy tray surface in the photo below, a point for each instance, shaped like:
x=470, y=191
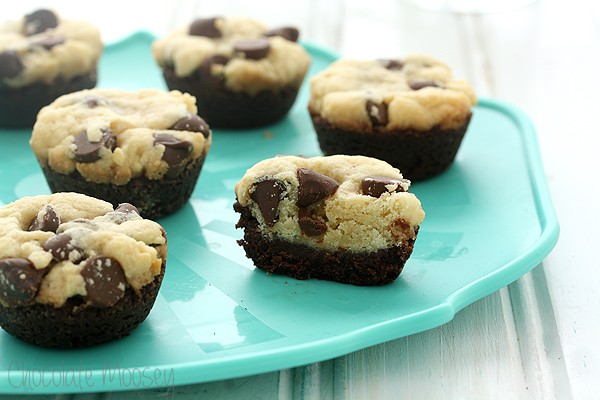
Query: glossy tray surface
x=489, y=220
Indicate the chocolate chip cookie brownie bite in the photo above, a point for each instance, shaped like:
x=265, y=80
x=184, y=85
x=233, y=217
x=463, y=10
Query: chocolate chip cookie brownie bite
x=343, y=218
x=146, y=148
x=75, y=272
x=242, y=74
x=411, y=113
x=43, y=56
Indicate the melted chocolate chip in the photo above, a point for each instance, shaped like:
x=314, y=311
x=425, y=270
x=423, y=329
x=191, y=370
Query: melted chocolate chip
x=61, y=247
x=314, y=187
x=192, y=123
x=309, y=224
x=205, y=27
x=287, y=32
x=375, y=186
x=87, y=151
x=392, y=65
x=39, y=21
x=206, y=69
x=267, y=194
x=19, y=281
x=104, y=279
x=176, y=152
x=252, y=49
x=46, y=220
x=420, y=84
x=10, y=64
x=127, y=208
x=377, y=113
x=48, y=42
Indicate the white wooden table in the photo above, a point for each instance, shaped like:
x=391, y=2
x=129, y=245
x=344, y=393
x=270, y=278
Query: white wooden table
x=536, y=338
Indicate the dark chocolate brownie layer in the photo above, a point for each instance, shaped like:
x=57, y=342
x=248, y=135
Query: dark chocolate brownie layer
x=223, y=108
x=302, y=262
x=418, y=155
x=153, y=198
x=75, y=325
x=19, y=106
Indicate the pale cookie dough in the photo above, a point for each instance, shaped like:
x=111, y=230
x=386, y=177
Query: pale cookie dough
x=56, y=240
x=417, y=93
x=347, y=203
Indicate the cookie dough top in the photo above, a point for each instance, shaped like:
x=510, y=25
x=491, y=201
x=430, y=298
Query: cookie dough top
x=43, y=47
x=111, y=136
x=249, y=57
x=58, y=246
x=336, y=202
x=417, y=92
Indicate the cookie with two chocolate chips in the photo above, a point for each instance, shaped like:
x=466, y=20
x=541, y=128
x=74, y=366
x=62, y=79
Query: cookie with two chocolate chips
x=44, y=56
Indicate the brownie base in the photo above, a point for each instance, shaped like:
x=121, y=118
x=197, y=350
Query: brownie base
x=76, y=324
x=154, y=198
x=223, y=108
x=277, y=256
x=418, y=155
x=19, y=106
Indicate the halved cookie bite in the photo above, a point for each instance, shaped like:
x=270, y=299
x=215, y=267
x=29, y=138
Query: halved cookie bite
x=343, y=218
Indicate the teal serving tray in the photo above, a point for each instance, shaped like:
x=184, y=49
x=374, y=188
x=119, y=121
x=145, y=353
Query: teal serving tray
x=489, y=220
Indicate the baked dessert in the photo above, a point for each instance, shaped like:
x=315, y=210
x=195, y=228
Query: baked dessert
x=348, y=219
x=242, y=74
x=146, y=148
x=74, y=272
x=43, y=56
x=411, y=113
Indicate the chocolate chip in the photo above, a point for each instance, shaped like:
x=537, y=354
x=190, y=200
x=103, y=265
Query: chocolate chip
x=287, y=32
x=420, y=84
x=127, y=208
x=252, y=49
x=205, y=27
x=87, y=151
x=206, y=69
x=10, y=64
x=19, y=281
x=391, y=64
x=48, y=42
x=93, y=101
x=314, y=187
x=46, y=220
x=377, y=185
x=39, y=21
x=176, y=152
x=192, y=123
x=309, y=224
x=104, y=279
x=377, y=113
x=61, y=247
x=267, y=194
